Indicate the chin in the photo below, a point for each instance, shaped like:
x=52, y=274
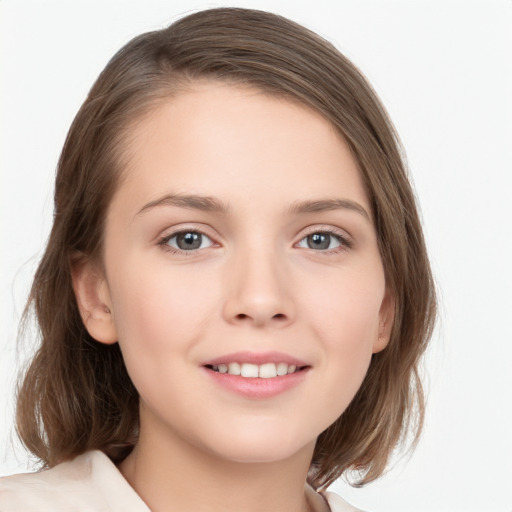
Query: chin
x=259, y=454
x=262, y=445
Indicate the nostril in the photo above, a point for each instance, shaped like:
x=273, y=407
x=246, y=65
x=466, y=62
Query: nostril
x=244, y=316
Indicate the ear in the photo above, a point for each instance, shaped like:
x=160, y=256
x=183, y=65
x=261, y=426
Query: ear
x=94, y=302
x=386, y=318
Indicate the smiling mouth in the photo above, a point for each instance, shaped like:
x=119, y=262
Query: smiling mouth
x=253, y=371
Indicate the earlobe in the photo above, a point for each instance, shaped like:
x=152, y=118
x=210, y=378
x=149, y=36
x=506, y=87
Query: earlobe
x=93, y=299
x=386, y=319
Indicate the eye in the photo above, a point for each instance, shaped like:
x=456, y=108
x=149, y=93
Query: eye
x=324, y=241
x=187, y=241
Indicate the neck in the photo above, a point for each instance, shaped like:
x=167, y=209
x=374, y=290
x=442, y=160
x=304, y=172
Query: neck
x=169, y=474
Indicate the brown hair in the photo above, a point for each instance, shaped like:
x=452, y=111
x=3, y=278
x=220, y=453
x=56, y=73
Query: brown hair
x=76, y=395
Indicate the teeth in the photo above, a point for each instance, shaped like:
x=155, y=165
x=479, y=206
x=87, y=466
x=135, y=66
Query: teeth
x=234, y=369
x=249, y=370
x=267, y=371
x=282, y=369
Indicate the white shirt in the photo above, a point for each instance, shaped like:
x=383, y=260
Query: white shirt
x=92, y=483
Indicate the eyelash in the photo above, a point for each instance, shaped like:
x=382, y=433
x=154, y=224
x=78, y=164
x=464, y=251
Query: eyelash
x=345, y=242
x=164, y=241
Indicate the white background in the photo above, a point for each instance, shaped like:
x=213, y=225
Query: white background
x=444, y=71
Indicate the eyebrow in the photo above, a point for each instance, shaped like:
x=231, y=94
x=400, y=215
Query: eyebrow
x=323, y=205
x=194, y=202
x=212, y=204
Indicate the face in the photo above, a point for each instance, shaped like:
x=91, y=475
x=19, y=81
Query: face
x=241, y=273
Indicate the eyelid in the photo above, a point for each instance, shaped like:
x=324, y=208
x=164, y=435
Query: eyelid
x=345, y=238
x=327, y=228
x=163, y=239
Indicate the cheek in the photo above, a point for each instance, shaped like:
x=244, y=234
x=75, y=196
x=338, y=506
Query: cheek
x=346, y=320
x=160, y=316
x=156, y=303
x=348, y=308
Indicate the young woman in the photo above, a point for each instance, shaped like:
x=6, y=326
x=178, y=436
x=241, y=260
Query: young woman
x=236, y=292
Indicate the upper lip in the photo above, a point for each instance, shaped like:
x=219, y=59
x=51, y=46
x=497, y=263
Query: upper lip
x=258, y=358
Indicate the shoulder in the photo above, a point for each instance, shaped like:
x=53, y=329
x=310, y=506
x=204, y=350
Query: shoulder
x=325, y=501
x=88, y=482
x=338, y=504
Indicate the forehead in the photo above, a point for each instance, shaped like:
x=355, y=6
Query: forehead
x=226, y=140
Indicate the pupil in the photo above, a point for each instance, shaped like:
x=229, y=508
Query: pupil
x=188, y=241
x=318, y=241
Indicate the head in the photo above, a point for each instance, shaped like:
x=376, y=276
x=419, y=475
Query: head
x=77, y=394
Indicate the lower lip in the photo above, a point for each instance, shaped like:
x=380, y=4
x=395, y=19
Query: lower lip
x=257, y=388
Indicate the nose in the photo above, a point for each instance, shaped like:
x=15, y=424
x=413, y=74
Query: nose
x=259, y=291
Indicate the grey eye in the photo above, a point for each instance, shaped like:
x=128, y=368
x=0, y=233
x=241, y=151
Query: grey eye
x=189, y=241
x=320, y=241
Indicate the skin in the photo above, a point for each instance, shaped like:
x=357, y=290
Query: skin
x=255, y=285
